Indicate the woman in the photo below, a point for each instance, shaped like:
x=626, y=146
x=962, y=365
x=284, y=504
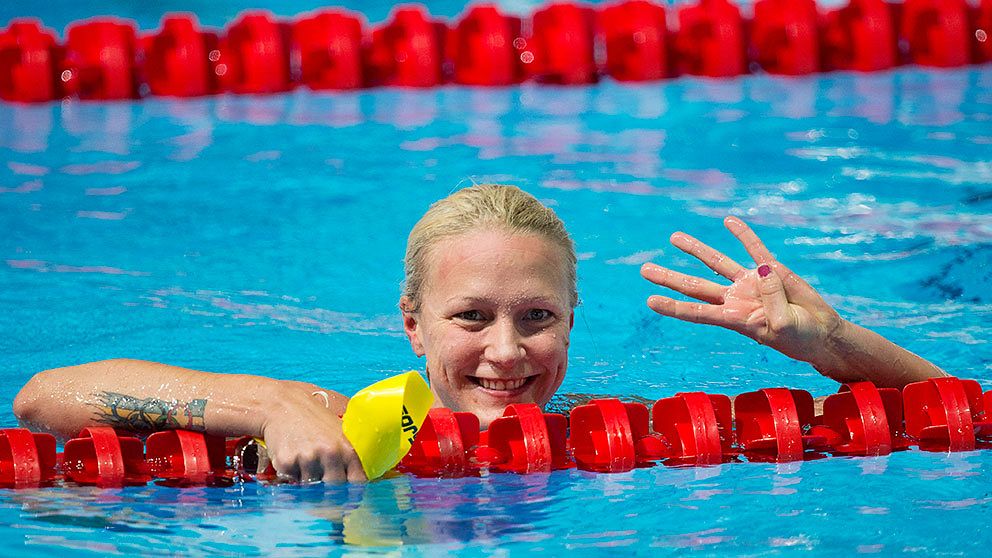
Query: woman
x=489, y=300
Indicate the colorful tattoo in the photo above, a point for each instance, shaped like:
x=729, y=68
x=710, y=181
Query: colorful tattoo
x=148, y=415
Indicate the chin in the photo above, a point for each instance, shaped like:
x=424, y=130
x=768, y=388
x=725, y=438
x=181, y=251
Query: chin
x=486, y=416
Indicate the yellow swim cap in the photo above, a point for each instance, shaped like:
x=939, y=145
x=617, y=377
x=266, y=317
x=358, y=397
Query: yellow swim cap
x=382, y=419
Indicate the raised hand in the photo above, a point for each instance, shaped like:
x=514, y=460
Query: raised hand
x=775, y=307
x=769, y=304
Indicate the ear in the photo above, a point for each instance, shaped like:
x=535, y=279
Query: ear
x=411, y=326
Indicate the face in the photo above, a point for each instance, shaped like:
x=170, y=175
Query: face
x=493, y=321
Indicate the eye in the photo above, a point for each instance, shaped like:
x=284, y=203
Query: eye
x=470, y=316
x=538, y=315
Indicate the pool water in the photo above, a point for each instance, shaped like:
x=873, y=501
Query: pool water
x=265, y=235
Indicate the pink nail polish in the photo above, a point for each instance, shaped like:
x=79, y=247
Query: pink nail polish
x=764, y=270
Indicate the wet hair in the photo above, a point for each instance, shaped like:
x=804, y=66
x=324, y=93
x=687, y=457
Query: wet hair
x=483, y=206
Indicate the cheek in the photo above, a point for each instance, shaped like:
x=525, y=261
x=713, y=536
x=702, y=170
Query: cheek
x=551, y=348
x=457, y=349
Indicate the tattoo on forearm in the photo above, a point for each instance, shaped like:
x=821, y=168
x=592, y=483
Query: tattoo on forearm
x=148, y=415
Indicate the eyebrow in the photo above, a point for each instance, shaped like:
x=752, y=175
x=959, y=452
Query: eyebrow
x=517, y=302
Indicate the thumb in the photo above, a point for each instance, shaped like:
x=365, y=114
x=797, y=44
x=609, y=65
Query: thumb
x=773, y=298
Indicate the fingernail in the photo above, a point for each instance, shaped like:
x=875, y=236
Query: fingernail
x=764, y=270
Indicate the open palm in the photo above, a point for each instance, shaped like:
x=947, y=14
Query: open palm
x=770, y=304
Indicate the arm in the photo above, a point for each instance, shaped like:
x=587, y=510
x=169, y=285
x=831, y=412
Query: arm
x=304, y=437
x=775, y=307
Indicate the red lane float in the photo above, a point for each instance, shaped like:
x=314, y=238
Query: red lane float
x=784, y=37
x=102, y=458
x=100, y=60
x=981, y=26
x=526, y=440
x=936, y=32
x=29, y=59
x=696, y=426
x=254, y=55
x=771, y=424
x=862, y=420
x=610, y=436
x=636, y=36
x=329, y=46
x=408, y=50
x=710, y=41
x=27, y=460
x=441, y=447
x=946, y=414
x=485, y=48
x=182, y=457
x=560, y=47
x=605, y=435
x=563, y=43
x=860, y=36
x=178, y=58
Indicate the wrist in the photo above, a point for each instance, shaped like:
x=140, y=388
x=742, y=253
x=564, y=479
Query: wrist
x=270, y=405
x=834, y=361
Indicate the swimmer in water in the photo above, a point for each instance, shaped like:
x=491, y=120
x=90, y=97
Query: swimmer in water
x=489, y=301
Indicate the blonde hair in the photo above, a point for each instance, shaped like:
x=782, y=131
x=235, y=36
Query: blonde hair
x=480, y=206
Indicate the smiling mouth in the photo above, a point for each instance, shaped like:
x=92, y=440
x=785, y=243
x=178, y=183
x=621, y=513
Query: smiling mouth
x=508, y=386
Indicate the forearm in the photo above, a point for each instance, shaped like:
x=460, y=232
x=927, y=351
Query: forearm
x=854, y=353
x=144, y=397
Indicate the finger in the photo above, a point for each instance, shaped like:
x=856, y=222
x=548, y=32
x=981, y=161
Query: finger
x=312, y=470
x=696, y=287
x=694, y=312
x=773, y=299
x=796, y=288
x=355, y=471
x=334, y=470
x=713, y=259
x=757, y=249
x=286, y=471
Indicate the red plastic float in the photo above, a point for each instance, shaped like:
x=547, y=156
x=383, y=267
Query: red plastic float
x=771, y=424
x=99, y=60
x=100, y=457
x=29, y=57
x=610, y=436
x=183, y=457
x=178, y=58
x=565, y=43
x=27, y=460
x=981, y=27
x=254, y=55
x=408, y=50
x=710, y=40
x=636, y=36
x=605, y=435
x=946, y=414
x=860, y=36
x=936, y=32
x=697, y=427
x=784, y=37
x=862, y=420
x=560, y=45
x=485, y=47
x=441, y=447
x=526, y=440
x=329, y=44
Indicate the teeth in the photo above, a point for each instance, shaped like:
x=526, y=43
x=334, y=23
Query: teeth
x=501, y=385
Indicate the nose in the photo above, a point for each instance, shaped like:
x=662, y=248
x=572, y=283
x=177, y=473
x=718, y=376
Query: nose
x=504, y=345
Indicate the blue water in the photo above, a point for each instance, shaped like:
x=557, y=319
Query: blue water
x=265, y=235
